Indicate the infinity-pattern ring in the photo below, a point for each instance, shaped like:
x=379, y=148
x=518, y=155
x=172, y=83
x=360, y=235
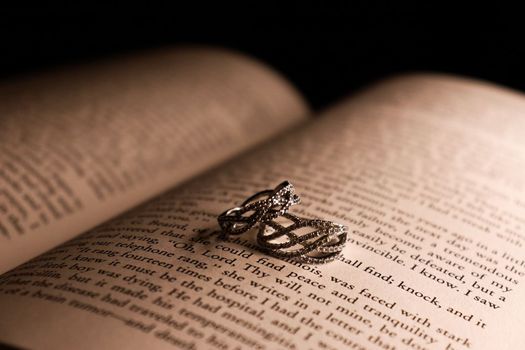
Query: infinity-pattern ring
x=282, y=234
x=262, y=206
x=311, y=241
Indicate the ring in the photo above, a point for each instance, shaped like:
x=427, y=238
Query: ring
x=262, y=206
x=322, y=245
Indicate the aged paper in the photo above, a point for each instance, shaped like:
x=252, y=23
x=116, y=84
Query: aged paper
x=425, y=171
x=78, y=147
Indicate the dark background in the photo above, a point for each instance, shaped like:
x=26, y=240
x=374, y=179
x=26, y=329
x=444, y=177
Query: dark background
x=326, y=49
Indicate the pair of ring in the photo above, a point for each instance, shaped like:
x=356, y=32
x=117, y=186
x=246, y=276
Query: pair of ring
x=282, y=234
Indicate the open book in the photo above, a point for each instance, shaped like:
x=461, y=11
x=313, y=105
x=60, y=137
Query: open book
x=112, y=176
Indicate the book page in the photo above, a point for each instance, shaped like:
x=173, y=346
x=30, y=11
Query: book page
x=82, y=145
x=424, y=170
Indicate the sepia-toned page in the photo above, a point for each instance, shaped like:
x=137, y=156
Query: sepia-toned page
x=426, y=171
x=80, y=146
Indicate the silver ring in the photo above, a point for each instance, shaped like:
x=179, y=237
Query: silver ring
x=318, y=246
x=263, y=206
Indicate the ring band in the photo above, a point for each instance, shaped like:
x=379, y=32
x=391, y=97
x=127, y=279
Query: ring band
x=322, y=245
x=265, y=206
